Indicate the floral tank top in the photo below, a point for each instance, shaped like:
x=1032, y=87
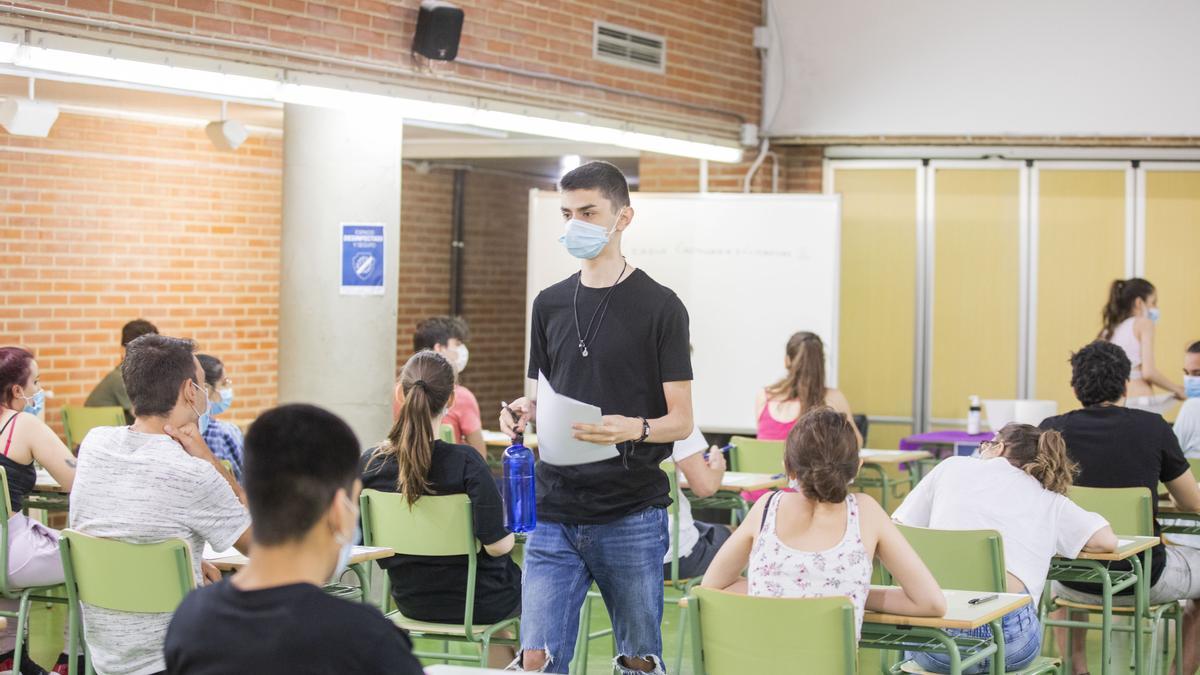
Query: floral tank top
x=780, y=571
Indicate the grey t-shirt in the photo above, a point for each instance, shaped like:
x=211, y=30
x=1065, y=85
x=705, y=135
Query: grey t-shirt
x=144, y=488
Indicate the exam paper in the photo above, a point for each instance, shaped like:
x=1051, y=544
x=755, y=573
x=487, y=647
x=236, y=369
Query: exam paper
x=556, y=441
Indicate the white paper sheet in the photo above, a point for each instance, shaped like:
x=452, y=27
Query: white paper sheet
x=556, y=441
x=212, y=554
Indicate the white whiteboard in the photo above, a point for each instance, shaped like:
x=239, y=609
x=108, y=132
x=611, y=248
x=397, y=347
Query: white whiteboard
x=752, y=269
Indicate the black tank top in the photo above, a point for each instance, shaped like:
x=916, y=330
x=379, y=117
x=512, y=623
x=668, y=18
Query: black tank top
x=21, y=477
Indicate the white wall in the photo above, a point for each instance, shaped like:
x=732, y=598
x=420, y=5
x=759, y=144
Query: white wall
x=983, y=67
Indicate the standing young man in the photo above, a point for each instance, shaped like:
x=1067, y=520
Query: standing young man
x=612, y=337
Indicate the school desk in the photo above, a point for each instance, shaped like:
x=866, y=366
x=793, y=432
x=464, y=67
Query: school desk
x=1177, y=521
x=874, y=472
x=232, y=561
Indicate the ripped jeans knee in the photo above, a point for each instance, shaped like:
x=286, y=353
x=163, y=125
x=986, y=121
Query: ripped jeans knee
x=623, y=665
x=540, y=660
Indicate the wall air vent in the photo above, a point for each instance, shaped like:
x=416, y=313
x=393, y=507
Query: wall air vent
x=628, y=47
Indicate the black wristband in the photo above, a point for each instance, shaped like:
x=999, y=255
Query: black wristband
x=645, y=430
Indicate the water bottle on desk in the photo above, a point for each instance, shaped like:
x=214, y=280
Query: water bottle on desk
x=973, y=416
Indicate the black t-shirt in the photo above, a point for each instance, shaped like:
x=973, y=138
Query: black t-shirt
x=641, y=343
x=293, y=629
x=434, y=588
x=1121, y=447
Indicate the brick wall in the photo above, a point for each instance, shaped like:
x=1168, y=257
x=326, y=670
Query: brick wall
x=496, y=223
x=799, y=171
x=711, y=61
x=109, y=220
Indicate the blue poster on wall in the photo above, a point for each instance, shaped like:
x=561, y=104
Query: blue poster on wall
x=362, y=259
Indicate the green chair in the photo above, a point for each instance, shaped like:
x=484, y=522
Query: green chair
x=434, y=526
x=754, y=456
x=969, y=560
x=1130, y=512
x=24, y=596
x=1195, y=464
x=734, y=634
x=123, y=577
x=448, y=434
x=78, y=421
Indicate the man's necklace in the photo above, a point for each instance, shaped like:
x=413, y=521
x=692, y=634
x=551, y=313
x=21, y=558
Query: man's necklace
x=601, y=309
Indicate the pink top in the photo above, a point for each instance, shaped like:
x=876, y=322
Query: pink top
x=771, y=429
x=464, y=415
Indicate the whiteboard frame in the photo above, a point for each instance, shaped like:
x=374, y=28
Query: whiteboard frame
x=832, y=355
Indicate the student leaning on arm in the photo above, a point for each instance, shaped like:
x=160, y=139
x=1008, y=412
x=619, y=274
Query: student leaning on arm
x=1018, y=487
x=822, y=539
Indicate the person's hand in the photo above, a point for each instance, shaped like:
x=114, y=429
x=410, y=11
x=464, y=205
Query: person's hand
x=716, y=460
x=189, y=437
x=210, y=572
x=612, y=429
x=527, y=412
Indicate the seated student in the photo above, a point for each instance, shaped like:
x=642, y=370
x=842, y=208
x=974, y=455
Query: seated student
x=111, y=390
x=1187, y=422
x=223, y=438
x=272, y=616
x=153, y=481
x=1017, y=486
x=1115, y=447
x=802, y=389
x=821, y=540
x=447, y=335
x=33, y=558
x=413, y=461
x=698, y=541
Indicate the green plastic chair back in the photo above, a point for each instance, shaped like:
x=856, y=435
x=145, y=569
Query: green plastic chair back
x=434, y=526
x=127, y=577
x=754, y=456
x=5, y=514
x=1195, y=463
x=78, y=421
x=1130, y=511
x=739, y=634
x=448, y=434
x=969, y=560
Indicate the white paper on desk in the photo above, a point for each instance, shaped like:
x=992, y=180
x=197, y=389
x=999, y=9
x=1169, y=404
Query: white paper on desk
x=212, y=554
x=556, y=441
x=1122, y=543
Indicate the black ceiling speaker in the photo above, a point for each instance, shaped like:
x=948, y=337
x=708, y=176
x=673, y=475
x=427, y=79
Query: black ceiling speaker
x=439, y=27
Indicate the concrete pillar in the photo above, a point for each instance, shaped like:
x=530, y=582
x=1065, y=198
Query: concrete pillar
x=338, y=351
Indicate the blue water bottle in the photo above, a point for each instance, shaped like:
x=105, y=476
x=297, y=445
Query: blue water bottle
x=520, y=493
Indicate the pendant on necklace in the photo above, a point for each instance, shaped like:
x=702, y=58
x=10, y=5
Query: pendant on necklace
x=585, y=352
x=583, y=348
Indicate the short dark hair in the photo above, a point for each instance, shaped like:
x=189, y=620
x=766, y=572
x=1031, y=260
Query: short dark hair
x=136, y=329
x=598, y=175
x=1194, y=348
x=154, y=368
x=1099, y=372
x=297, y=457
x=438, y=330
x=214, y=370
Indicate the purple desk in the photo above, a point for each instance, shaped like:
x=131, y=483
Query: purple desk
x=936, y=440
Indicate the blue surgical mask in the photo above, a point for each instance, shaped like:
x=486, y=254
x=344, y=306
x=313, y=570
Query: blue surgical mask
x=221, y=406
x=34, y=405
x=343, y=562
x=1191, y=386
x=585, y=240
x=1154, y=314
x=202, y=418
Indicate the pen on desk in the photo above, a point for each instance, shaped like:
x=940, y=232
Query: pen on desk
x=982, y=599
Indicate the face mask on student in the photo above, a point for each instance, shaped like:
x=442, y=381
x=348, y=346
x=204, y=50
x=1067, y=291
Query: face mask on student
x=1191, y=386
x=1154, y=314
x=461, y=356
x=585, y=240
x=202, y=418
x=34, y=405
x=343, y=561
x=221, y=406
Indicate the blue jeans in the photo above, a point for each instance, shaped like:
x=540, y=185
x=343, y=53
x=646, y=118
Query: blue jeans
x=623, y=557
x=1022, y=644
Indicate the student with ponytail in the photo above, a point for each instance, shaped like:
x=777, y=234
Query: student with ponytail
x=413, y=461
x=821, y=539
x=1018, y=487
x=1129, y=318
x=802, y=389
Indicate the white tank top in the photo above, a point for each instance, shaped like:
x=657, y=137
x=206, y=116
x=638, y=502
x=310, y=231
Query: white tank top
x=1124, y=338
x=780, y=571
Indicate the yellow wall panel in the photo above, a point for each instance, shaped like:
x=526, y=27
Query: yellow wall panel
x=1173, y=262
x=878, y=287
x=1081, y=250
x=976, y=292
